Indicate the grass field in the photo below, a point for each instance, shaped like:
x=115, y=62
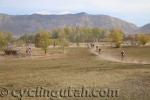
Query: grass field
x=76, y=68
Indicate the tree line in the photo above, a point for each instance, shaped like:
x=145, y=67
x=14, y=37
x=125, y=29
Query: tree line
x=62, y=36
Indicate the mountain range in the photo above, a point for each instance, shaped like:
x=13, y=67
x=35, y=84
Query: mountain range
x=29, y=24
x=145, y=29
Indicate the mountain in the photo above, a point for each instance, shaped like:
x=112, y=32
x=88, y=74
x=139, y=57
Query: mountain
x=145, y=29
x=20, y=24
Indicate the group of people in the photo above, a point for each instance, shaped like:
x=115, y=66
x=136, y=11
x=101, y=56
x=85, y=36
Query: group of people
x=99, y=50
x=92, y=45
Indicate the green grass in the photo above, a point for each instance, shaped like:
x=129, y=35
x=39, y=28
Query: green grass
x=78, y=67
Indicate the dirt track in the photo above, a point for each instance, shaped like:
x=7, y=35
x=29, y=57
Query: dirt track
x=106, y=56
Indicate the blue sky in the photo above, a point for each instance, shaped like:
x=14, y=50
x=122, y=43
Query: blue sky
x=135, y=11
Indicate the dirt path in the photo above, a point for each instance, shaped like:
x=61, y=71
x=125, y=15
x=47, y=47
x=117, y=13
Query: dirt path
x=106, y=56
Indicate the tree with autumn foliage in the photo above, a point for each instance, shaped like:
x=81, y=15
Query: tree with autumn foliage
x=42, y=40
x=143, y=38
x=117, y=37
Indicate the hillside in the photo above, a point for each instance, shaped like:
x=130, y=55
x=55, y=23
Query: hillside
x=145, y=29
x=20, y=24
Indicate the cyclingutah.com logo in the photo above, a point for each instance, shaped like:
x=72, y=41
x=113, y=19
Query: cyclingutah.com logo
x=69, y=92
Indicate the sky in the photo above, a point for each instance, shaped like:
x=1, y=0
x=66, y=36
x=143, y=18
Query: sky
x=134, y=11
